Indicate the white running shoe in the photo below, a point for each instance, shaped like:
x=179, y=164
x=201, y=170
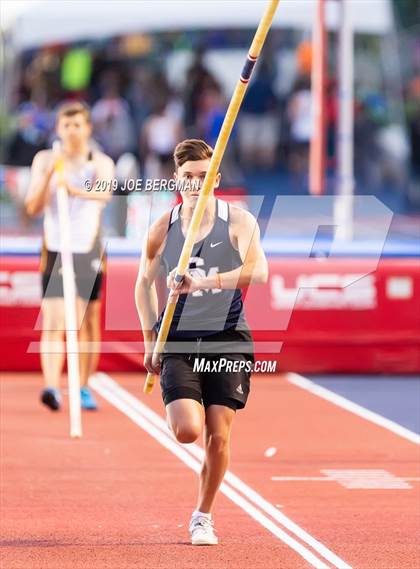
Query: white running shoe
x=202, y=531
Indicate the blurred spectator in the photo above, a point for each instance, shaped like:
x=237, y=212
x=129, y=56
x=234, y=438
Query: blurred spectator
x=132, y=101
x=41, y=78
x=413, y=115
x=111, y=120
x=198, y=80
x=138, y=95
x=210, y=119
x=299, y=114
x=161, y=133
x=331, y=119
x=381, y=150
x=126, y=168
x=258, y=125
x=34, y=123
x=211, y=114
x=413, y=118
x=304, y=58
x=394, y=149
x=366, y=148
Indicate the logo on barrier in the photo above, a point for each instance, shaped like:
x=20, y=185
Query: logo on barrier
x=20, y=288
x=324, y=291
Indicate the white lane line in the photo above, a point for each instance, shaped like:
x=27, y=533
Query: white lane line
x=171, y=445
x=325, y=479
x=108, y=388
x=301, y=479
x=366, y=479
x=344, y=403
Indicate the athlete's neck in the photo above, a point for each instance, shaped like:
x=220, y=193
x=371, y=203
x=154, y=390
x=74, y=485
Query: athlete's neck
x=187, y=211
x=73, y=152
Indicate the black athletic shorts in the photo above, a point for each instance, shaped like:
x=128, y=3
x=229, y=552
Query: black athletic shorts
x=88, y=269
x=213, y=370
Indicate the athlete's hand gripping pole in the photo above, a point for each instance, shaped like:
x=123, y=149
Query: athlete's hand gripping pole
x=70, y=307
x=209, y=180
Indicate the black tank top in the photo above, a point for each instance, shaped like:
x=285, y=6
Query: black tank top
x=204, y=312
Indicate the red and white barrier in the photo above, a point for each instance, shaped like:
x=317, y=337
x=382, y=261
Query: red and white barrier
x=308, y=317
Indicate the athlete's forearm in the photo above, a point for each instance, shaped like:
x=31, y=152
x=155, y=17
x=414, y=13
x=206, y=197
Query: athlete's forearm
x=147, y=309
x=39, y=195
x=94, y=194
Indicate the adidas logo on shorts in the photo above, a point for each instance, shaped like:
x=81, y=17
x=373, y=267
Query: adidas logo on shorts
x=239, y=389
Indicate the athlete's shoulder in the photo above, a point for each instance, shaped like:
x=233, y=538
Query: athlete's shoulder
x=101, y=158
x=42, y=157
x=242, y=224
x=239, y=215
x=44, y=153
x=157, y=233
x=161, y=223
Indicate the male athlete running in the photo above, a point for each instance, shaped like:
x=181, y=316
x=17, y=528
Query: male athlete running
x=87, y=174
x=206, y=365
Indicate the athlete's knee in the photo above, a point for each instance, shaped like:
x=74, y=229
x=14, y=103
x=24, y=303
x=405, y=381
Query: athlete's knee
x=84, y=329
x=186, y=433
x=53, y=317
x=53, y=322
x=53, y=331
x=52, y=341
x=217, y=443
x=93, y=313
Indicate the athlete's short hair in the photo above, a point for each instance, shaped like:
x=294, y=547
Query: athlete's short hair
x=191, y=149
x=72, y=108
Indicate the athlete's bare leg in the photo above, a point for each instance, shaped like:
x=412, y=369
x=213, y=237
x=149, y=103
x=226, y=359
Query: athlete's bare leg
x=52, y=341
x=93, y=324
x=94, y=315
x=217, y=446
x=84, y=341
x=185, y=418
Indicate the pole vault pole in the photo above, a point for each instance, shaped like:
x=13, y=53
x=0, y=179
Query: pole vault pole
x=343, y=203
x=208, y=183
x=70, y=307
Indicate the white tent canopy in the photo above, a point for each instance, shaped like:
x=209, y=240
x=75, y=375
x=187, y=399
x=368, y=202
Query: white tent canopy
x=63, y=21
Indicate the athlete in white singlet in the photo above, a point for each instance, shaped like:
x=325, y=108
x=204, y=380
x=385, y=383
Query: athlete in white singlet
x=87, y=174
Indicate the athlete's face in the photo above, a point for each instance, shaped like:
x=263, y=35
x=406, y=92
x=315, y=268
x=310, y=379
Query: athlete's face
x=75, y=130
x=191, y=177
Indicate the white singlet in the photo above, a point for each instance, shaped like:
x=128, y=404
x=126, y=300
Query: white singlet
x=85, y=214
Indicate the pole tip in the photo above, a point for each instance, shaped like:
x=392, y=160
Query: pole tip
x=149, y=383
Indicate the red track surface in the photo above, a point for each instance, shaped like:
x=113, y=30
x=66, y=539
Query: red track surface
x=117, y=499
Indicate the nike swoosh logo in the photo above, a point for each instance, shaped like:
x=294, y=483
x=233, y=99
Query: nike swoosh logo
x=215, y=244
